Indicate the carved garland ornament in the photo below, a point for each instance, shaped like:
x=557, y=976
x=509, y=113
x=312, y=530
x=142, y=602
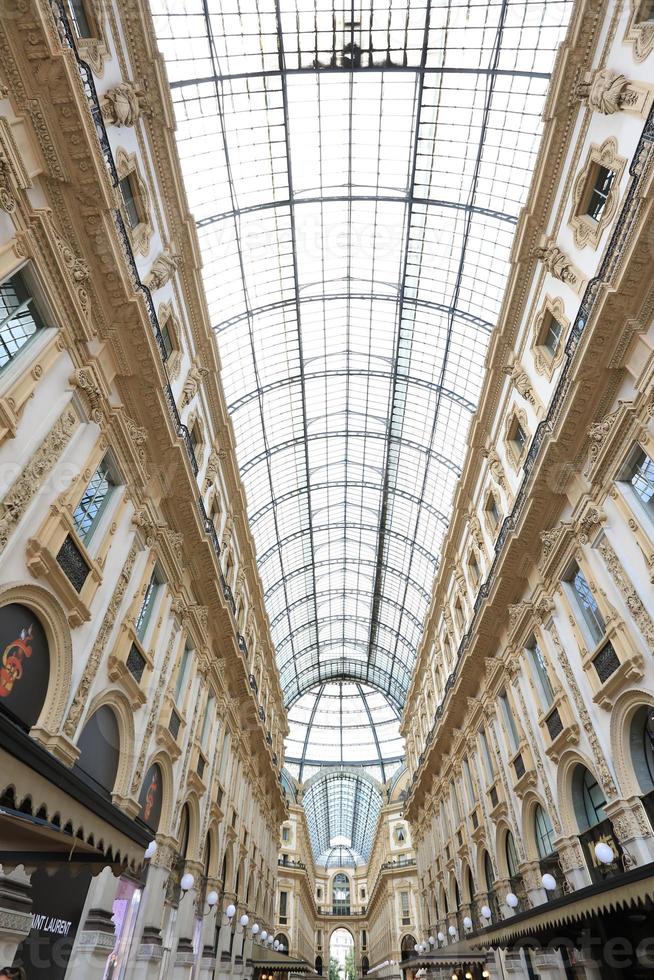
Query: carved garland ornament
x=27, y=485
x=640, y=615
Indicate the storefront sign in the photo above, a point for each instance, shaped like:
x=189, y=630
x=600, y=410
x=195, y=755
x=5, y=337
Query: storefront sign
x=58, y=901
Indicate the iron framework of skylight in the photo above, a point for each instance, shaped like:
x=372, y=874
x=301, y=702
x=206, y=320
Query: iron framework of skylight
x=356, y=172
x=356, y=175
x=342, y=808
x=347, y=724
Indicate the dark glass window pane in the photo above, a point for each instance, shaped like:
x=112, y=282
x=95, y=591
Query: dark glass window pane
x=131, y=209
x=167, y=341
x=587, y=604
x=19, y=318
x=640, y=474
x=597, y=202
x=552, y=336
x=80, y=19
x=88, y=511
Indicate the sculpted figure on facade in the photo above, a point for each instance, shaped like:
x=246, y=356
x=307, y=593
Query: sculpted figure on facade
x=163, y=268
x=557, y=263
x=603, y=91
x=123, y=104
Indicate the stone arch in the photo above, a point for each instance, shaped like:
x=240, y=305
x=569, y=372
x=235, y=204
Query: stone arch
x=452, y=888
x=480, y=863
x=467, y=880
x=626, y=707
x=503, y=829
x=213, y=838
x=442, y=899
x=530, y=802
x=227, y=867
x=407, y=942
x=122, y=709
x=565, y=773
x=193, y=850
x=60, y=650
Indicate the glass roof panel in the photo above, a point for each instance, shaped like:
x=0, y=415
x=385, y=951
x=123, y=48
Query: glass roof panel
x=357, y=172
x=342, y=807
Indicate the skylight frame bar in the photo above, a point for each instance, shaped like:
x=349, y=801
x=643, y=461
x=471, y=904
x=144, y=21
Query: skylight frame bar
x=484, y=325
x=489, y=95
x=218, y=95
x=296, y=281
x=364, y=69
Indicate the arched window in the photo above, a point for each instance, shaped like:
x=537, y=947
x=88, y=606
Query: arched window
x=544, y=832
x=184, y=831
x=99, y=746
x=471, y=886
x=511, y=856
x=488, y=872
x=588, y=799
x=341, y=894
x=641, y=743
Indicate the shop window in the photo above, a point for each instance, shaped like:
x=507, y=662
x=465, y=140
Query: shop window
x=99, y=746
x=544, y=832
x=588, y=799
x=19, y=316
x=511, y=854
x=641, y=743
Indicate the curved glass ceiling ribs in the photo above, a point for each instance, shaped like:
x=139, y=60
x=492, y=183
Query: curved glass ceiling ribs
x=342, y=808
x=356, y=171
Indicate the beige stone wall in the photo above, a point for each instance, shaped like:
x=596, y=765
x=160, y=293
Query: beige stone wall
x=515, y=693
x=100, y=383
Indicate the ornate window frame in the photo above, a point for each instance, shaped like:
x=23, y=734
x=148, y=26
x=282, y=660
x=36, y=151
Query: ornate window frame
x=585, y=229
x=141, y=234
x=195, y=421
x=167, y=318
x=93, y=49
x=639, y=33
x=492, y=527
x=545, y=362
x=517, y=416
x=44, y=551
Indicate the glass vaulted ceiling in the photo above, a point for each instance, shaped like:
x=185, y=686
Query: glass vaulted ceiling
x=356, y=171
